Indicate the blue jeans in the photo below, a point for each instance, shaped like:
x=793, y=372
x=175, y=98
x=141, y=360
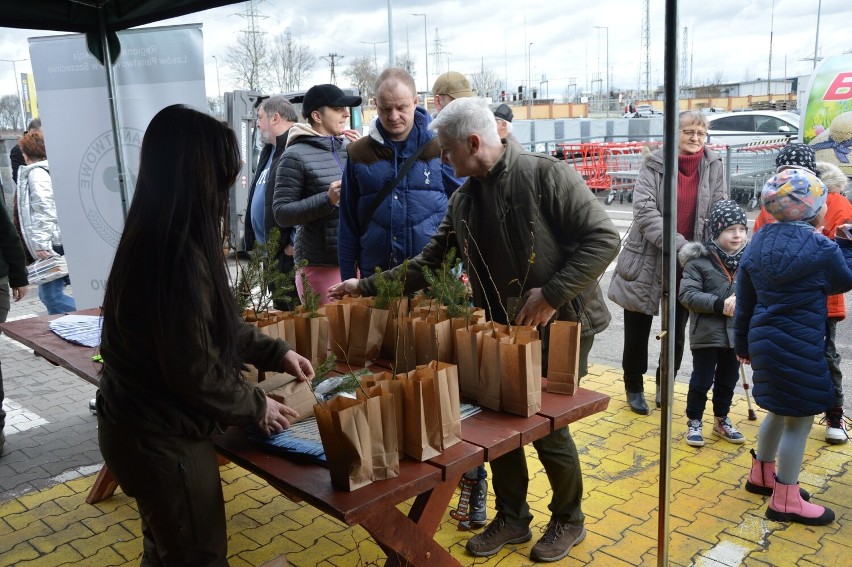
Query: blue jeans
x=52, y=294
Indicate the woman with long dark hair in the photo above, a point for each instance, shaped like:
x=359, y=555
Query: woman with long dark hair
x=173, y=343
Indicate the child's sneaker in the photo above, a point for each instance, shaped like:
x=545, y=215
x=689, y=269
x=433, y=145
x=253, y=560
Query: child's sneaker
x=835, y=427
x=693, y=433
x=723, y=427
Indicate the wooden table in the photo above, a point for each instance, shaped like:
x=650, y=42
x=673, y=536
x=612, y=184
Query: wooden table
x=406, y=539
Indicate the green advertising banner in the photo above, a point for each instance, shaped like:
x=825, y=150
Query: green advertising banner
x=827, y=122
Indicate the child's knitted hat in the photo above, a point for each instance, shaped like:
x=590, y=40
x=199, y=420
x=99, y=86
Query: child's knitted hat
x=797, y=155
x=793, y=195
x=725, y=214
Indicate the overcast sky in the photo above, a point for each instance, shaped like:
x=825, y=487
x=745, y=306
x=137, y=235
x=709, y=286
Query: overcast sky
x=730, y=38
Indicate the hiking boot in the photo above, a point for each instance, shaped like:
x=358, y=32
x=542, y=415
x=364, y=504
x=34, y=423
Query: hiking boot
x=835, y=427
x=557, y=541
x=723, y=427
x=495, y=536
x=693, y=433
x=471, y=512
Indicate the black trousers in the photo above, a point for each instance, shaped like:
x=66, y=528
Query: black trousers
x=637, y=332
x=175, y=481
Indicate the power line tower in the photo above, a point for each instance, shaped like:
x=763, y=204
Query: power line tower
x=331, y=58
x=684, y=60
x=646, y=44
x=255, y=46
x=437, y=52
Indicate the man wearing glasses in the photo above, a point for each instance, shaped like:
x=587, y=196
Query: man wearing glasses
x=637, y=279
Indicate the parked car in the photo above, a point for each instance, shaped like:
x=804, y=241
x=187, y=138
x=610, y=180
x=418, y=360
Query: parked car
x=642, y=111
x=751, y=126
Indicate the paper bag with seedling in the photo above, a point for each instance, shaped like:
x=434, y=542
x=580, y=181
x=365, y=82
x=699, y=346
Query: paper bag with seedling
x=383, y=421
x=563, y=357
x=346, y=439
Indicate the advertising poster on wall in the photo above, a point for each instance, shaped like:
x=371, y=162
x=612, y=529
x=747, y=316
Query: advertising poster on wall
x=157, y=67
x=827, y=121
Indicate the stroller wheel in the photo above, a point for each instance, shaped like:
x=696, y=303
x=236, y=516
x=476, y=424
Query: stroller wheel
x=609, y=198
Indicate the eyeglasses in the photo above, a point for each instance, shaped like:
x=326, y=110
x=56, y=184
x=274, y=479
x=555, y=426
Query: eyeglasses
x=698, y=133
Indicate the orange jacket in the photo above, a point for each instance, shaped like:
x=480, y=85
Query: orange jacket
x=838, y=211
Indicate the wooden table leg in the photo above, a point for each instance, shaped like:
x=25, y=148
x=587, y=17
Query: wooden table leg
x=103, y=488
x=409, y=540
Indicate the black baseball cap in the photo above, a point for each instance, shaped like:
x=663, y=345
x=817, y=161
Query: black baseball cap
x=327, y=95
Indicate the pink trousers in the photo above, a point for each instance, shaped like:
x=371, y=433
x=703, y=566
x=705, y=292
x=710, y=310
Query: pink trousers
x=320, y=278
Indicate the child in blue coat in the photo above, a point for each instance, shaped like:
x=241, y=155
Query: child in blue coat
x=786, y=274
x=707, y=290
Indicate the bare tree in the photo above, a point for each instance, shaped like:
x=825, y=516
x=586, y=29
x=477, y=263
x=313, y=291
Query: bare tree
x=248, y=57
x=10, y=113
x=291, y=61
x=214, y=107
x=485, y=82
x=363, y=73
x=406, y=61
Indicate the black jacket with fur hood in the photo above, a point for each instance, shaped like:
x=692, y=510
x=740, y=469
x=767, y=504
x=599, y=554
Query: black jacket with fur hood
x=705, y=286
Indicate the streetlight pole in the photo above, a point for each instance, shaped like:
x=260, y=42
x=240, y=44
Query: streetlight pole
x=529, y=76
x=425, y=51
x=218, y=84
x=375, y=57
x=18, y=90
x=607, y=66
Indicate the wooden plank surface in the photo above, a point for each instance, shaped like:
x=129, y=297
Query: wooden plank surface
x=562, y=409
x=312, y=483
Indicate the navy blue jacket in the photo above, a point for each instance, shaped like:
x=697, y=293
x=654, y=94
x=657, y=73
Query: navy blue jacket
x=405, y=221
x=786, y=274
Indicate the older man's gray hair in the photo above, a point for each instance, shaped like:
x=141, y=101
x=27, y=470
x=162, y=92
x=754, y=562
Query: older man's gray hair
x=464, y=117
x=277, y=104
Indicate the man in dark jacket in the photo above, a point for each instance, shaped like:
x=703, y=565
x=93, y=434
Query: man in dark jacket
x=527, y=226
x=275, y=117
x=13, y=284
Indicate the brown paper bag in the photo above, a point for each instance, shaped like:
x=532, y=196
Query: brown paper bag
x=563, y=357
x=312, y=337
x=381, y=413
x=405, y=355
x=389, y=383
x=366, y=332
x=447, y=380
x=520, y=380
x=396, y=311
x=469, y=355
x=346, y=439
x=423, y=435
x=489, y=365
x=338, y=313
x=281, y=326
x=433, y=340
x=286, y=389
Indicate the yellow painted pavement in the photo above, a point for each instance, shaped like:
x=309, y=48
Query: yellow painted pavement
x=713, y=520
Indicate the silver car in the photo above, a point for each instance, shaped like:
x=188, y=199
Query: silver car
x=752, y=126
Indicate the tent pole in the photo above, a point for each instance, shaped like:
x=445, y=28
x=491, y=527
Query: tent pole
x=667, y=370
x=113, y=113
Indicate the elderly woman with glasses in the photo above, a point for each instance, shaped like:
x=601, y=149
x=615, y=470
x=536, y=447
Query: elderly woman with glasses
x=637, y=280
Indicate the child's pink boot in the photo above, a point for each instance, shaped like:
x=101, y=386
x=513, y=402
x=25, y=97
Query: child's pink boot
x=761, y=479
x=787, y=505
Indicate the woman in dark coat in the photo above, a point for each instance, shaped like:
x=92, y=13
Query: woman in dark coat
x=173, y=343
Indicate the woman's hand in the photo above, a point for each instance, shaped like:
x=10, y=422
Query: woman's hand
x=18, y=293
x=743, y=360
x=333, y=192
x=352, y=135
x=298, y=366
x=42, y=254
x=348, y=287
x=276, y=418
x=843, y=232
x=730, y=306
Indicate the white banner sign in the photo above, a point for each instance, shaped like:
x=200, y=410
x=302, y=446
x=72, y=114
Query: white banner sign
x=157, y=67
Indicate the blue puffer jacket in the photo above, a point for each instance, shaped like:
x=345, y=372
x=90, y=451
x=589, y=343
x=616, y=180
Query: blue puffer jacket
x=407, y=218
x=786, y=273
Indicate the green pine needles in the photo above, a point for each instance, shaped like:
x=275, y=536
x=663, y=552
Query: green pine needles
x=389, y=288
x=260, y=274
x=446, y=287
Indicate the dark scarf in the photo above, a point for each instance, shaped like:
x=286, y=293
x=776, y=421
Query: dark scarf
x=730, y=261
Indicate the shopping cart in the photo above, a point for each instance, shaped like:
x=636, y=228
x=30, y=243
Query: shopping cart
x=747, y=168
x=623, y=163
